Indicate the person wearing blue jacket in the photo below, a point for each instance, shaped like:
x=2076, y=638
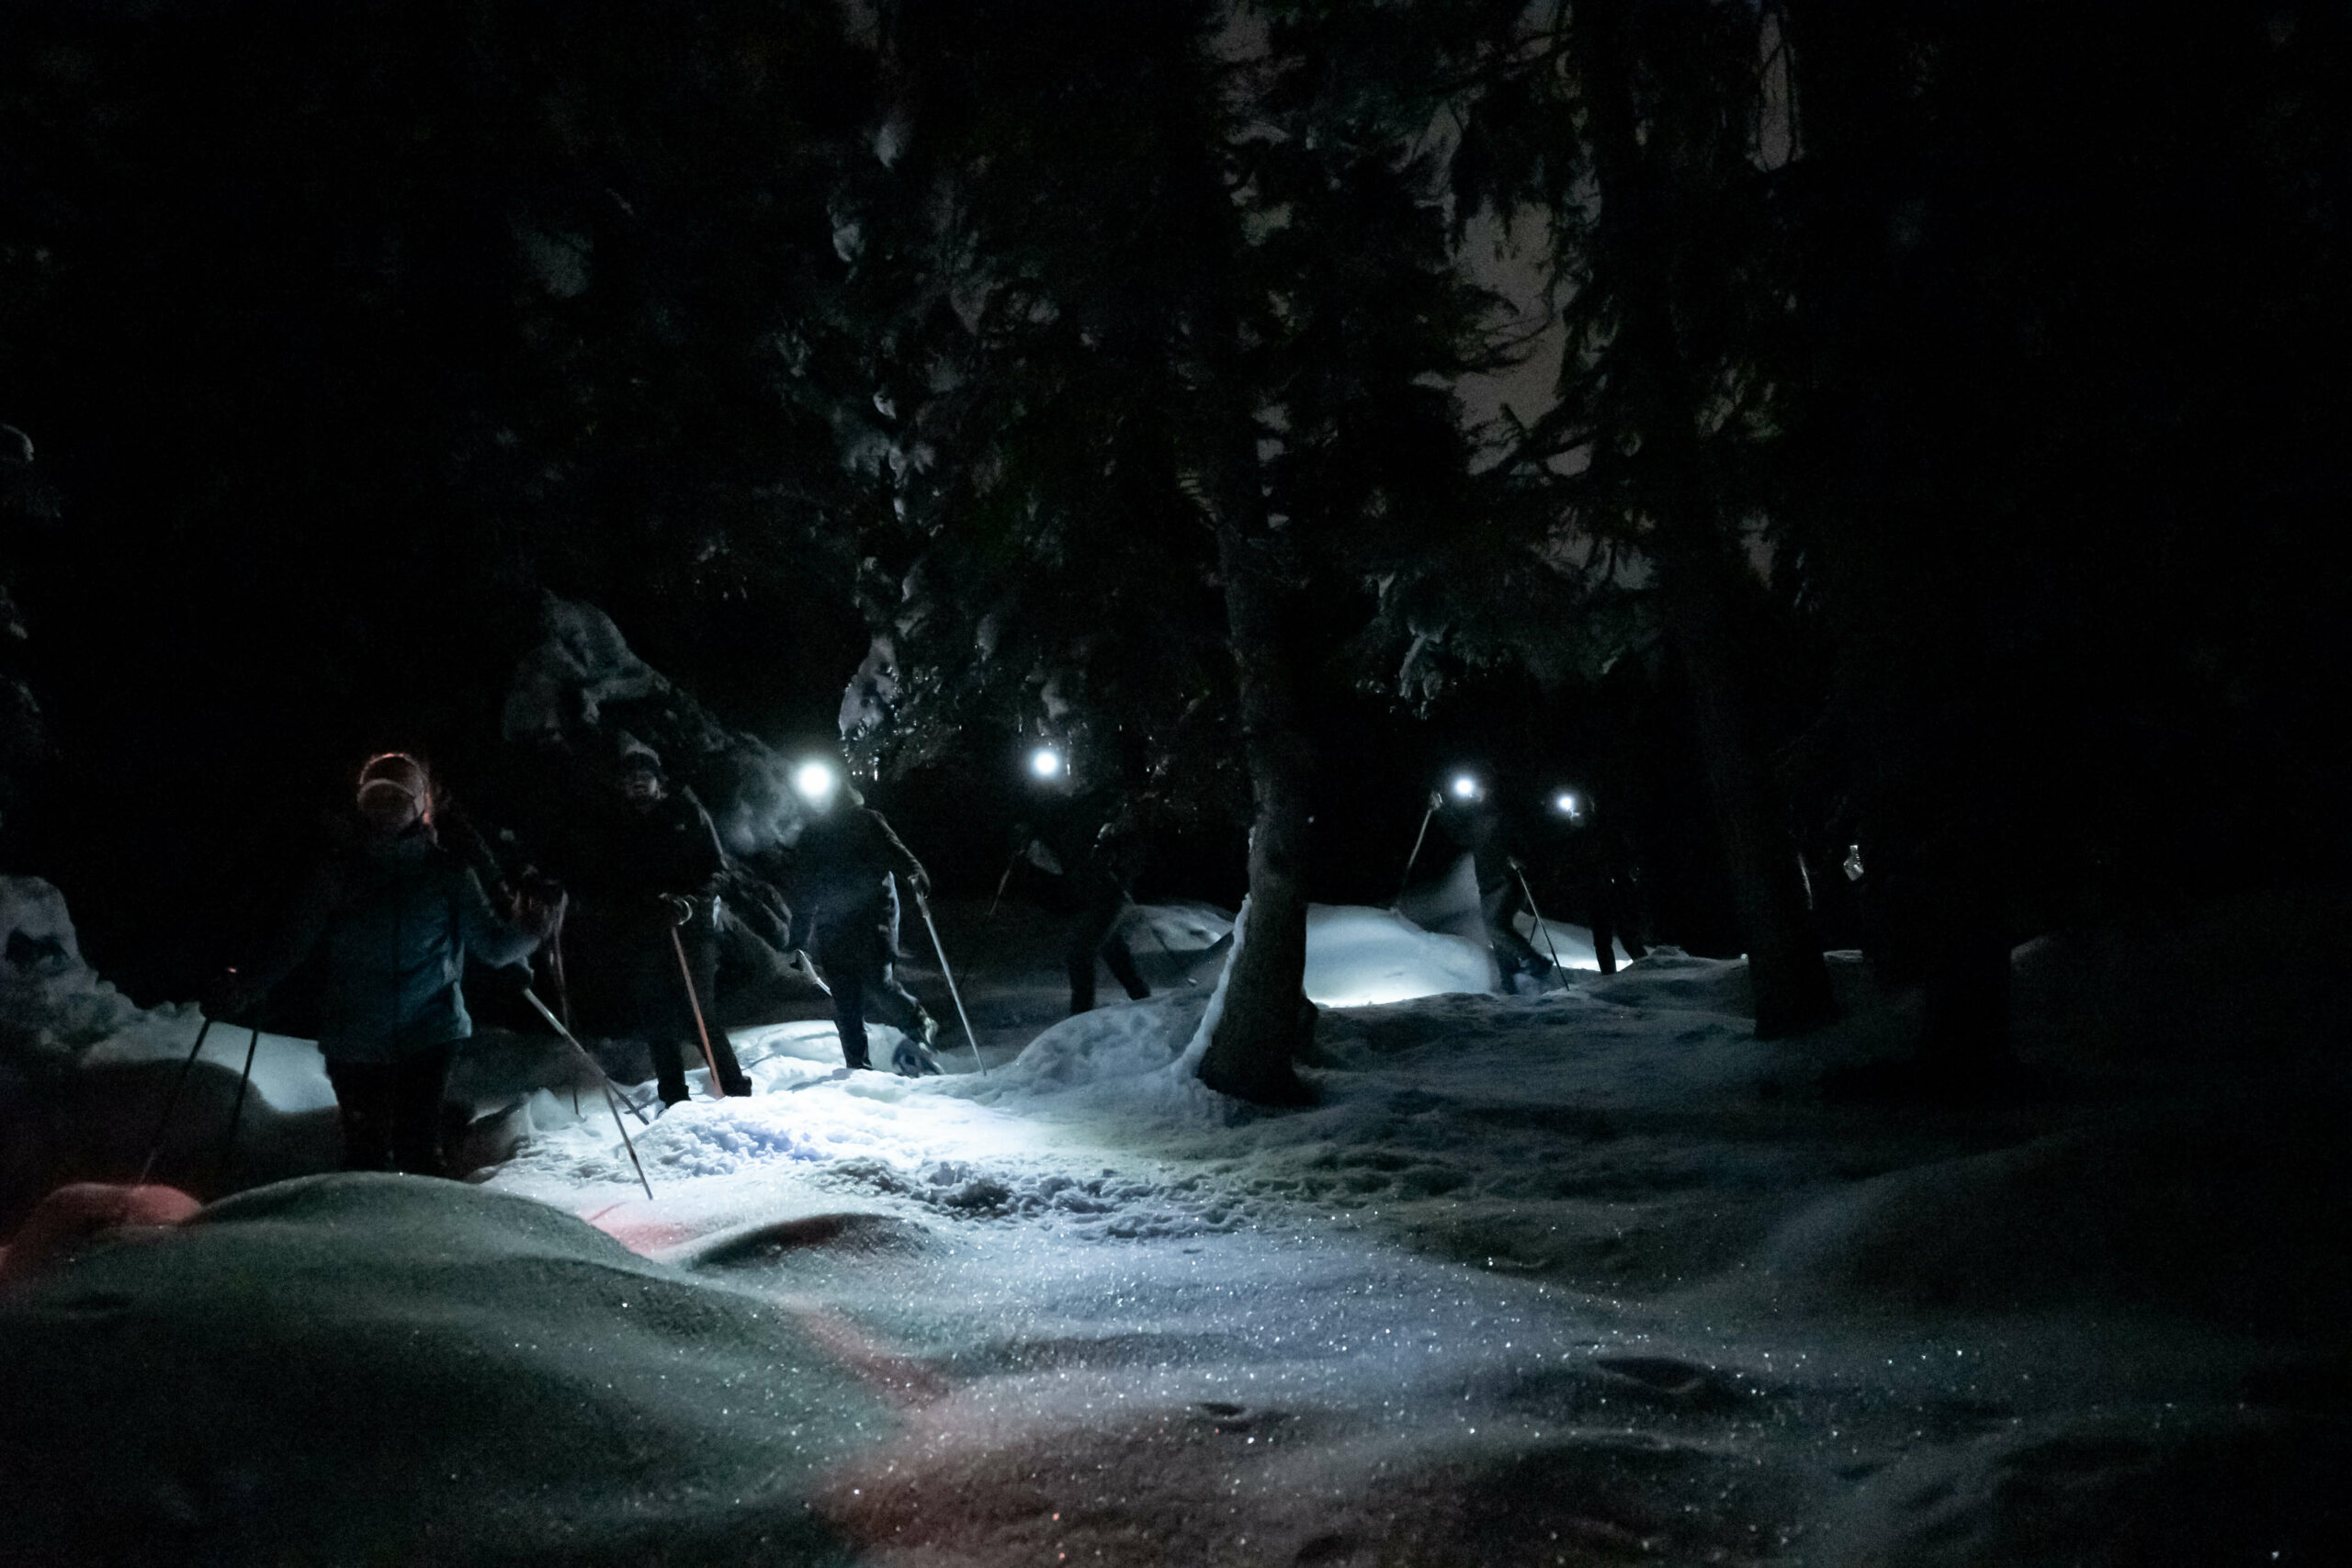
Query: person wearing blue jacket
x=396, y=916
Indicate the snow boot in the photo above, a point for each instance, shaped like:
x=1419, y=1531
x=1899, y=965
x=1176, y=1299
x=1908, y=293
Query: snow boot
x=913, y=1061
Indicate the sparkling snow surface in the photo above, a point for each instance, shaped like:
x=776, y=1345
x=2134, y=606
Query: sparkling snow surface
x=1589, y=1277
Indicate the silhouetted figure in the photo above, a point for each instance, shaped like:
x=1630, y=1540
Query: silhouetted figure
x=1596, y=862
x=845, y=857
x=665, y=869
x=397, y=915
x=1089, y=848
x=1472, y=821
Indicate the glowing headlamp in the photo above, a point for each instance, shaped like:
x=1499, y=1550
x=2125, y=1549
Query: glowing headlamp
x=1465, y=787
x=1566, y=804
x=816, y=782
x=1046, y=762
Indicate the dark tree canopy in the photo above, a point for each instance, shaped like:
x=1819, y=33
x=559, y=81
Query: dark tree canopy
x=1944, y=458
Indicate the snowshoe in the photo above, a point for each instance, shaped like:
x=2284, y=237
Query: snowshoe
x=913, y=1061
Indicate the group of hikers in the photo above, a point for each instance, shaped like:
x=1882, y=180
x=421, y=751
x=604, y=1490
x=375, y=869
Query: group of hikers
x=398, y=913
x=1581, y=850
x=394, y=916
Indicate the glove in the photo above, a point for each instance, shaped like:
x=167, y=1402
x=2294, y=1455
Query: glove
x=920, y=883
x=1437, y=801
x=539, y=909
x=681, y=908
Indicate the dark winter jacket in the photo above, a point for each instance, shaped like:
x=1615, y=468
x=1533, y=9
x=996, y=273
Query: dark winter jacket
x=843, y=864
x=669, y=848
x=1089, y=848
x=1480, y=829
x=397, y=921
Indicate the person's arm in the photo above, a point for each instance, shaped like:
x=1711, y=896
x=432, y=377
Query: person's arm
x=297, y=939
x=489, y=936
x=902, y=859
x=705, y=867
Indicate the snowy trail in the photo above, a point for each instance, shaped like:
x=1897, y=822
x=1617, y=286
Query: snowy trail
x=1589, y=1277
x=1505, y=1294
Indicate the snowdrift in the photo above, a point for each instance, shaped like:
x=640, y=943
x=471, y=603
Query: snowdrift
x=85, y=1074
x=378, y=1368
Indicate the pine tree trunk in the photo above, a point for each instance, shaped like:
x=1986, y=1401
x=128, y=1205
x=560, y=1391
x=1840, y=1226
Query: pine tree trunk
x=1785, y=964
x=1907, y=614
x=1699, y=559
x=1266, y=1019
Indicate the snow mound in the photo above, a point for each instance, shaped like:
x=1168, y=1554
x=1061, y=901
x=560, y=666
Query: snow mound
x=2257, y=978
x=1180, y=927
x=1361, y=957
x=368, y=1368
x=49, y=998
x=1118, y=1042
x=2234, y=1225
x=1669, y=978
x=2162, y=1486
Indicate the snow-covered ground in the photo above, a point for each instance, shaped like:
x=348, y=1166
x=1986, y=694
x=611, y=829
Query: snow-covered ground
x=1586, y=1277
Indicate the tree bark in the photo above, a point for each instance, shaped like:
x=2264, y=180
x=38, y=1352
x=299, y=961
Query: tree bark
x=1906, y=600
x=1266, y=1020
x=1699, y=559
x=1785, y=964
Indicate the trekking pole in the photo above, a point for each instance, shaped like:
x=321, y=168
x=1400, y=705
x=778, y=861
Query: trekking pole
x=237, y=1106
x=937, y=946
x=555, y=964
x=678, y=946
x=1540, y=924
x=604, y=1080
x=1001, y=883
x=1407, y=880
x=596, y=1066
x=562, y=989
x=171, y=1103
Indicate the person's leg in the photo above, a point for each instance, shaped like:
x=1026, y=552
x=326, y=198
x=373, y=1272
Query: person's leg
x=702, y=953
x=1123, y=966
x=419, y=1084
x=1513, y=956
x=1077, y=955
x=363, y=1101
x=669, y=1068
x=849, y=1012
x=1604, y=935
x=889, y=1001
x=1624, y=915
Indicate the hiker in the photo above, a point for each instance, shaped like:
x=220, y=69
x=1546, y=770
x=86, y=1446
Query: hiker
x=660, y=871
x=397, y=915
x=1595, y=860
x=1089, y=848
x=1468, y=813
x=845, y=858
